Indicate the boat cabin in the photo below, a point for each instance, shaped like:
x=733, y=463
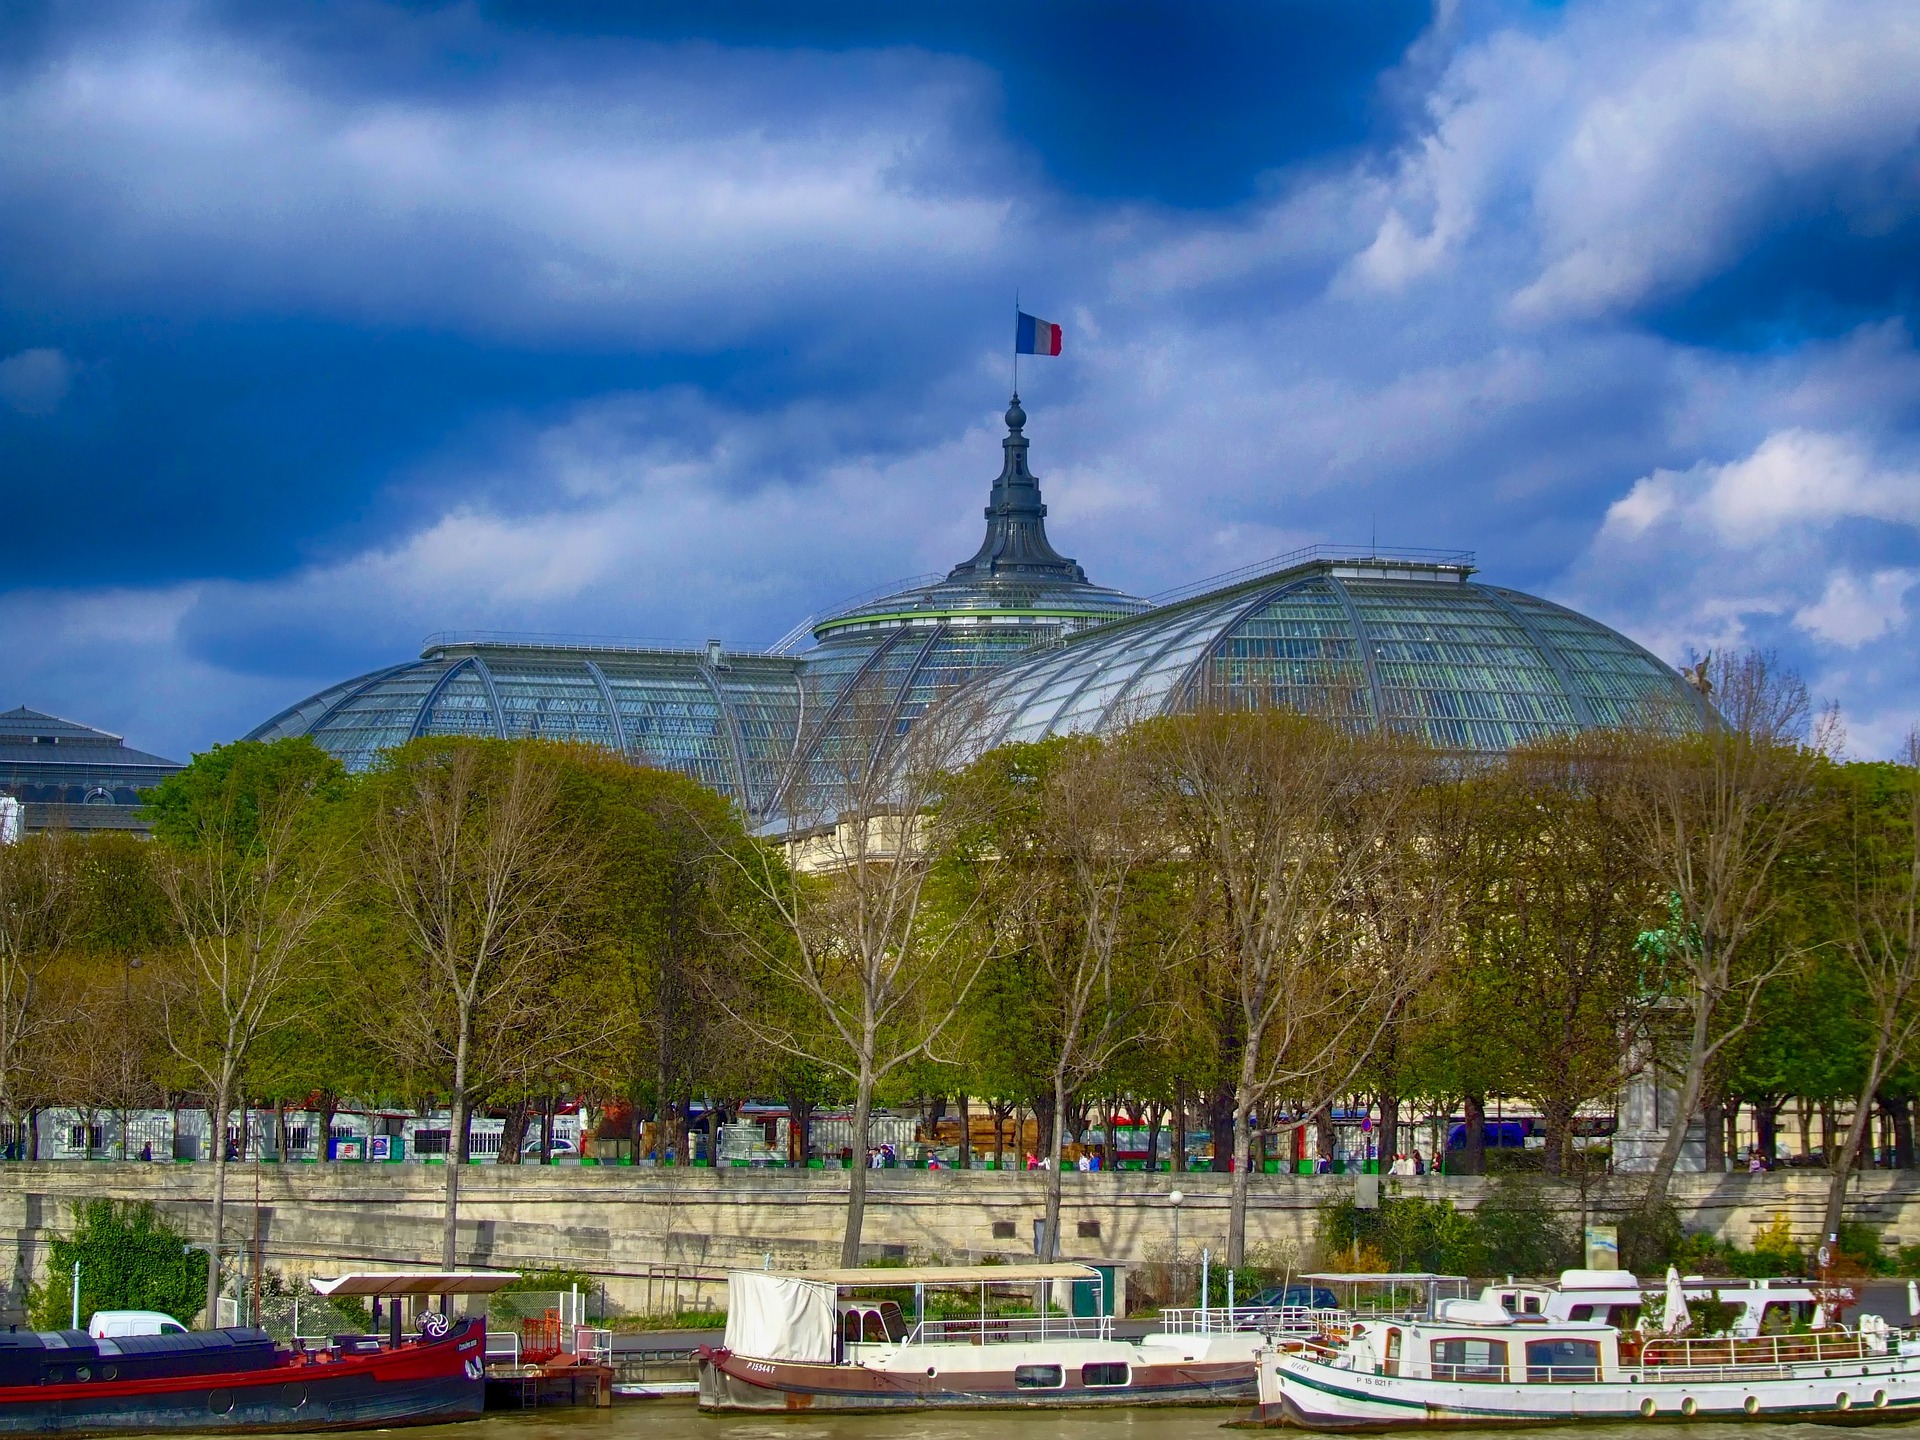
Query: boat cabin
x=1614, y=1297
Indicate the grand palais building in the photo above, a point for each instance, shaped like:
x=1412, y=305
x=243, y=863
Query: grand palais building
x=1032, y=647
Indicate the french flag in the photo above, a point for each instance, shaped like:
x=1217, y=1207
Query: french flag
x=1036, y=337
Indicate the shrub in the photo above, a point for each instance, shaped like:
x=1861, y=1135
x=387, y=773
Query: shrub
x=1407, y=1232
x=1521, y=1234
x=130, y=1259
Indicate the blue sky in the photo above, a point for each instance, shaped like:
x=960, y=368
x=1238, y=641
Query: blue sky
x=326, y=326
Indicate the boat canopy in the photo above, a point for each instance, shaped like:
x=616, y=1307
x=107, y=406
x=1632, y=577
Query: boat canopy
x=416, y=1282
x=789, y=1315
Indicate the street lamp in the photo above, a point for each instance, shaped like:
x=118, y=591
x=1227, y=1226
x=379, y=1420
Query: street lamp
x=1174, y=1197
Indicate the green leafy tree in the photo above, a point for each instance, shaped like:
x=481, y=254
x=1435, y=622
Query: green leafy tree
x=250, y=870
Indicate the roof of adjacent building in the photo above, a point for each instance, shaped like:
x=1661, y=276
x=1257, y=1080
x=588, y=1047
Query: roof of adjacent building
x=55, y=741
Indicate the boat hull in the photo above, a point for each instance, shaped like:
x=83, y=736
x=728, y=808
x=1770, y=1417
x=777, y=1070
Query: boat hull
x=733, y=1382
x=1302, y=1393
x=419, y=1384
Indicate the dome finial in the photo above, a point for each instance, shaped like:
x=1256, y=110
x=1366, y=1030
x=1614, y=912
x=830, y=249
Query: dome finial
x=1016, y=417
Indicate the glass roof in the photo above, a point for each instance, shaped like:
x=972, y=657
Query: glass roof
x=1422, y=649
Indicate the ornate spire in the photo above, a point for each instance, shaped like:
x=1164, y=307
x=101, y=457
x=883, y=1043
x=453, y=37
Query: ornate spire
x=1016, y=546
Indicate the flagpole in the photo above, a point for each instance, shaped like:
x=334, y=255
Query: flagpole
x=1016, y=343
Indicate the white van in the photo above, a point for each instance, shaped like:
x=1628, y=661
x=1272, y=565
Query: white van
x=113, y=1324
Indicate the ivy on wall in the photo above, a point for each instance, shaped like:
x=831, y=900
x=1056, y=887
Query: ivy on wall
x=130, y=1259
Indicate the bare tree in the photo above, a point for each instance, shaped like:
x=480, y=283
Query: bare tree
x=870, y=974
x=1715, y=813
x=1881, y=938
x=250, y=879
x=39, y=914
x=476, y=867
x=1061, y=839
x=1323, y=915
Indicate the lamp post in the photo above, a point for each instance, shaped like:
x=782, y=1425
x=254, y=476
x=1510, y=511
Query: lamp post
x=1174, y=1197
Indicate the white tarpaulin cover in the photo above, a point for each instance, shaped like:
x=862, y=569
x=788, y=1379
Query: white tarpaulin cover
x=779, y=1317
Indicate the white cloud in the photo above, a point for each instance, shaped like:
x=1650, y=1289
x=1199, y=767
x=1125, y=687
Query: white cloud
x=34, y=382
x=1636, y=147
x=1854, y=611
x=641, y=199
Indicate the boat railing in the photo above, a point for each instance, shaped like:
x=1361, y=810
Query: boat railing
x=1010, y=1330
x=1725, y=1352
x=1470, y=1374
x=504, y=1346
x=1271, y=1319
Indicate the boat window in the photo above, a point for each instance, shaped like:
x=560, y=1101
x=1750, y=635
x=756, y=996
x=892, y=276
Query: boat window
x=1530, y=1304
x=1623, y=1317
x=1506, y=1301
x=1781, y=1316
x=1474, y=1359
x=873, y=1329
x=1393, y=1352
x=892, y=1321
x=1104, y=1374
x=1580, y=1312
x=1038, y=1377
x=850, y=1327
x=1563, y=1362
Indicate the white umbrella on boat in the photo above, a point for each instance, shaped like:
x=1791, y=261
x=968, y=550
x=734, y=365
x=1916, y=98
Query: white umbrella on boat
x=1676, y=1317
x=1913, y=1300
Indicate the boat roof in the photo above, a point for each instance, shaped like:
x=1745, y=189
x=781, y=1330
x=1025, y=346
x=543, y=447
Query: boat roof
x=938, y=1274
x=1397, y=1277
x=416, y=1282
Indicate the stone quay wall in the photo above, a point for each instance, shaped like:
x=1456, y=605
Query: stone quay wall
x=648, y=1234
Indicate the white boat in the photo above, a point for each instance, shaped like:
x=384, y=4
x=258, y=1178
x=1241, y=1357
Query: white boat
x=1478, y=1364
x=799, y=1341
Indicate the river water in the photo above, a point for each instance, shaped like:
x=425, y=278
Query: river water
x=677, y=1419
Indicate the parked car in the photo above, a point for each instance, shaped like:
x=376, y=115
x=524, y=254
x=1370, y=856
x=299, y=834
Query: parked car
x=1302, y=1297
x=117, y=1324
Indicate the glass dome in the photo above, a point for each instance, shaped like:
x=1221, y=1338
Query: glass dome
x=1411, y=643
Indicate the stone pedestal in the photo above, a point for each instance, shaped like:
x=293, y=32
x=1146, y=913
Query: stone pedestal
x=1647, y=1116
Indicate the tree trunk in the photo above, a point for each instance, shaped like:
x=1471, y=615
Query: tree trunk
x=1849, y=1149
x=328, y=1103
x=966, y=1132
x=799, y=1131
x=513, y=1133
x=1713, y=1113
x=1056, y=1150
x=1558, y=1114
x=1153, y=1138
x=1323, y=1136
x=1693, y=1084
x=1766, y=1128
x=857, y=1179
x=546, y=1129
x=456, y=1136
x=222, y=1097
x=1473, y=1158
x=1241, y=1183
x=999, y=1135
x=1389, y=1131
x=1220, y=1122
x=1179, y=1129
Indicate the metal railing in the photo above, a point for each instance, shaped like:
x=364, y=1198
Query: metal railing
x=593, y=1345
x=1469, y=1374
x=1010, y=1330
x=1271, y=1319
x=1723, y=1353
x=503, y=1345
